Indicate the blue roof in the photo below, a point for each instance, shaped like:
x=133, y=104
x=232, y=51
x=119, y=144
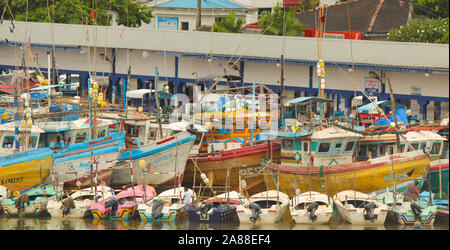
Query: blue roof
x=206, y=4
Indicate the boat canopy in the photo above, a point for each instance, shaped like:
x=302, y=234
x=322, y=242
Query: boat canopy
x=139, y=94
x=334, y=133
x=384, y=103
x=304, y=99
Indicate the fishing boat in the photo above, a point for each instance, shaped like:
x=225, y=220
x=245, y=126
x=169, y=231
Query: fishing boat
x=31, y=203
x=265, y=207
x=218, y=209
x=232, y=162
x=122, y=206
x=167, y=206
x=3, y=194
x=12, y=143
x=437, y=177
x=359, y=208
x=158, y=163
x=311, y=208
x=323, y=160
x=80, y=160
x=78, y=203
x=26, y=169
x=442, y=208
x=409, y=213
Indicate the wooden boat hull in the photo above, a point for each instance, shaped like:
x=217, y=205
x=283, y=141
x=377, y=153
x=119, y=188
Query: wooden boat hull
x=103, y=176
x=170, y=214
x=366, y=177
x=247, y=160
x=163, y=167
x=433, y=177
x=125, y=213
x=26, y=173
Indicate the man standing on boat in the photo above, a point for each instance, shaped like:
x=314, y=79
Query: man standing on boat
x=187, y=196
x=411, y=192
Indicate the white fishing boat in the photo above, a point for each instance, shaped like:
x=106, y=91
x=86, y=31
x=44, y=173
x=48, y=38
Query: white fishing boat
x=159, y=163
x=311, y=208
x=264, y=207
x=77, y=204
x=359, y=208
x=167, y=206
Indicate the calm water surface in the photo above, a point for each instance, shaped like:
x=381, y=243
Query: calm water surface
x=89, y=224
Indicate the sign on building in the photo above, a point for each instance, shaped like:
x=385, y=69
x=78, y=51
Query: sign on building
x=416, y=91
x=167, y=23
x=372, y=85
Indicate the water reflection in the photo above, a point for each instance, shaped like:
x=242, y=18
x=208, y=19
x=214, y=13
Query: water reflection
x=90, y=224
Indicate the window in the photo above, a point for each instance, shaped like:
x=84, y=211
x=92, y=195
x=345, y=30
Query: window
x=152, y=134
x=288, y=144
x=305, y=146
x=436, y=148
x=80, y=137
x=184, y=25
x=349, y=146
x=102, y=133
x=382, y=150
x=32, y=142
x=415, y=146
x=8, y=141
x=132, y=130
x=391, y=150
x=298, y=145
x=324, y=147
x=402, y=148
x=423, y=145
x=337, y=148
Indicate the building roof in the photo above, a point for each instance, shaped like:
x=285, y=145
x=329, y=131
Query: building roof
x=366, y=16
x=205, y=4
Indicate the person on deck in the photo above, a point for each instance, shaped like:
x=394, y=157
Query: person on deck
x=187, y=196
x=411, y=192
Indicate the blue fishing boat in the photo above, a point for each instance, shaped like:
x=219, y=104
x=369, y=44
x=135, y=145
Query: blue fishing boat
x=84, y=161
x=163, y=162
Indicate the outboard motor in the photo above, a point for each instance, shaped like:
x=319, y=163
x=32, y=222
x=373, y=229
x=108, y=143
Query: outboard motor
x=312, y=210
x=368, y=208
x=416, y=210
x=113, y=204
x=205, y=207
x=21, y=201
x=157, y=209
x=256, y=210
x=67, y=204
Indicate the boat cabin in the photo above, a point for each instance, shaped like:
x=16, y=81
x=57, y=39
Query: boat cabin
x=12, y=142
x=376, y=146
x=328, y=146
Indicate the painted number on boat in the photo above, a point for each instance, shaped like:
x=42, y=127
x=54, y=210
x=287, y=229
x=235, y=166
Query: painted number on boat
x=249, y=171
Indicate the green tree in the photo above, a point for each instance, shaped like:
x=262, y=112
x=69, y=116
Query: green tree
x=422, y=31
x=229, y=24
x=129, y=13
x=273, y=23
x=431, y=8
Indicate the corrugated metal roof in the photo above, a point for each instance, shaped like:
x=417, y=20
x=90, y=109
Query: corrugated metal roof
x=205, y=4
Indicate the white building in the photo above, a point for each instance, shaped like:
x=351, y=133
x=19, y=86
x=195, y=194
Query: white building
x=181, y=14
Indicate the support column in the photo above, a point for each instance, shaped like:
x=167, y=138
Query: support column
x=311, y=77
x=437, y=110
x=423, y=109
x=83, y=89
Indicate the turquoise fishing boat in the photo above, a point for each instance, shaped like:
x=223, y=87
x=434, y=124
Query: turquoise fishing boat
x=32, y=203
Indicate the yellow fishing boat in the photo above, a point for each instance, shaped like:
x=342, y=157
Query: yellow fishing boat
x=26, y=169
x=323, y=161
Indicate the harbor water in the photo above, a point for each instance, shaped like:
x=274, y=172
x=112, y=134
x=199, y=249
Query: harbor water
x=89, y=224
